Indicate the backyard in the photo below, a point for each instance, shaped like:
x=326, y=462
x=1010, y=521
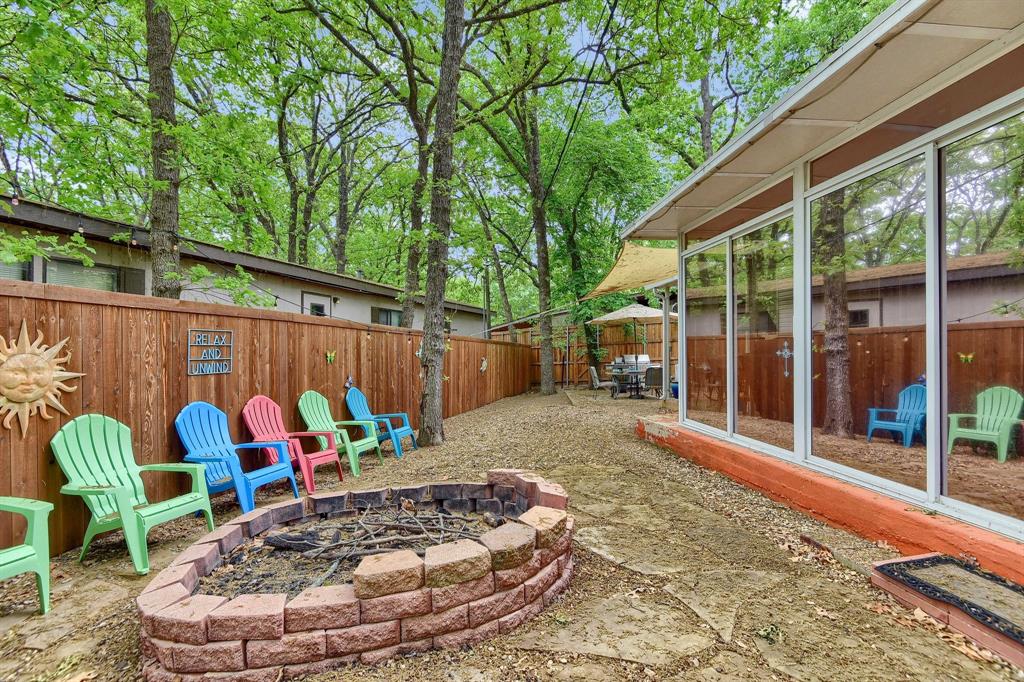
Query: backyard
x=680, y=574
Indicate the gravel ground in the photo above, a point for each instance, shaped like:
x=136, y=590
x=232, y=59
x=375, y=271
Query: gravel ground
x=682, y=574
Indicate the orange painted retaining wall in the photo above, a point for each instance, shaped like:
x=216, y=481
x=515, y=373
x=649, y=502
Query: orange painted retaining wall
x=838, y=503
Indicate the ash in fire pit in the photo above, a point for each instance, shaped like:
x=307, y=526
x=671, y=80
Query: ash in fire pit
x=327, y=551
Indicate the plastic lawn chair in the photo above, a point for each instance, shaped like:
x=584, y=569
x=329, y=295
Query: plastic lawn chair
x=996, y=413
x=95, y=453
x=33, y=556
x=203, y=430
x=907, y=419
x=316, y=413
x=360, y=409
x=263, y=417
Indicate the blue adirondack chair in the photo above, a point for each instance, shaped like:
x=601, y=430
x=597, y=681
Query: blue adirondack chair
x=907, y=419
x=203, y=430
x=360, y=410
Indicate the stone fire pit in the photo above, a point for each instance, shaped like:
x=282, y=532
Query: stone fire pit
x=398, y=603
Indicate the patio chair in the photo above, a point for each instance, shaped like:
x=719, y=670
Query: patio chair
x=997, y=411
x=596, y=384
x=263, y=417
x=203, y=430
x=95, y=454
x=360, y=409
x=316, y=413
x=652, y=381
x=32, y=556
x=907, y=419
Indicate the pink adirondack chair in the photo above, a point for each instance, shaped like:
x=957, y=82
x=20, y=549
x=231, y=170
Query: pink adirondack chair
x=263, y=417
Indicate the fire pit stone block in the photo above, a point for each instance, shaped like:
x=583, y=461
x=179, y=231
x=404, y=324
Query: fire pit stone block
x=510, y=545
x=477, y=491
x=455, y=640
x=513, y=620
x=295, y=647
x=210, y=657
x=185, y=574
x=403, y=649
x=445, y=491
x=455, y=562
x=445, y=598
x=185, y=621
x=526, y=485
x=459, y=505
x=549, y=524
x=497, y=605
x=369, y=499
x=226, y=538
x=398, y=605
x=360, y=638
x=254, y=522
x=414, y=493
x=505, y=493
x=382, y=574
x=504, y=477
x=538, y=584
x=289, y=510
x=510, y=577
x=151, y=603
x=322, y=608
x=511, y=510
x=249, y=616
x=300, y=670
x=552, y=495
x=493, y=506
x=420, y=627
x=557, y=549
x=205, y=557
x=329, y=503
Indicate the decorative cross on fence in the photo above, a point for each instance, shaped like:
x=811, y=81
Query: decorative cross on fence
x=785, y=354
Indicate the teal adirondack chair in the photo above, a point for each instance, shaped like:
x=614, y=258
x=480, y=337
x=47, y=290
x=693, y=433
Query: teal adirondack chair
x=997, y=412
x=316, y=413
x=95, y=453
x=34, y=554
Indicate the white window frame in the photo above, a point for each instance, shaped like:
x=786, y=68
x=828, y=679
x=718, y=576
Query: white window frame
x=929, y=146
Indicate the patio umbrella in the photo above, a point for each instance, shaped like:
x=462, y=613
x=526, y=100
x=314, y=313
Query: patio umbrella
x=634, y=312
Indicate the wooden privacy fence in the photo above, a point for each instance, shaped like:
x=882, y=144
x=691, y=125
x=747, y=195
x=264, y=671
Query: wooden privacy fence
x=883, y=361
x=570, y=348
x=133, y=351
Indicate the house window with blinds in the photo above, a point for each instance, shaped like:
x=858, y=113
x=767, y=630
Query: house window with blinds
x=99, y=277
x=20, y=271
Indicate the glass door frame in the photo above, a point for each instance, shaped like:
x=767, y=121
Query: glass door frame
x=929, y=145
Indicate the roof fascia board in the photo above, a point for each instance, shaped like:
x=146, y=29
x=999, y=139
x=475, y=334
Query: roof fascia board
x=900, y=11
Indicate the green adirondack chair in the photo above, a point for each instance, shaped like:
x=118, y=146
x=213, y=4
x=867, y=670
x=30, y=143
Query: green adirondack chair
x=34, y=554
x=95, y=453
x=316, y=413
x=997, y=412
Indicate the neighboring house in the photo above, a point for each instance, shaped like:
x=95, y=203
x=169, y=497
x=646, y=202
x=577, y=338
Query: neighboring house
x=127, y=268
x=886, y=296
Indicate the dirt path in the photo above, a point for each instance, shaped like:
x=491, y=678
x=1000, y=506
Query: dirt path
x=682, y=575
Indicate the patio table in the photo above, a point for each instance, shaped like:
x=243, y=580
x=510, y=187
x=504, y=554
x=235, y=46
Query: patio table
x=634, y=381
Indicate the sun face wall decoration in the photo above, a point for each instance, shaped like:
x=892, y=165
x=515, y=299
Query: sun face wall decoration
x=32, y=378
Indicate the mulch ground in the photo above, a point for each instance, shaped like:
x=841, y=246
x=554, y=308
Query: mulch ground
x=819, y=621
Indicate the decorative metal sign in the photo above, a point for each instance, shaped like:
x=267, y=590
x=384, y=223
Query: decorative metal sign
x=32, y=377
x=210, y=351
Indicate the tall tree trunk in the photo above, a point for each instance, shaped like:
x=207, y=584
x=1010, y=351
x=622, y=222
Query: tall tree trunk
x=831, y=243
x=432, y=355
x=163, y=210
x=341, y=220
x=412, y=260
x=706, y=118
x=499, y=269
x=540, y=229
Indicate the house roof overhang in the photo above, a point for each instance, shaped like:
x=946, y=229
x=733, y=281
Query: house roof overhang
x=911, y=51
x=42, y=216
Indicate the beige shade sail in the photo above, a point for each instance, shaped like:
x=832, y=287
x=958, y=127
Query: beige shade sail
x=637, y=266
x=633, y=312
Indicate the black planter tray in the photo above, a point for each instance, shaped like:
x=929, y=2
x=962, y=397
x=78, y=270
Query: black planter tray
x=909, y=573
